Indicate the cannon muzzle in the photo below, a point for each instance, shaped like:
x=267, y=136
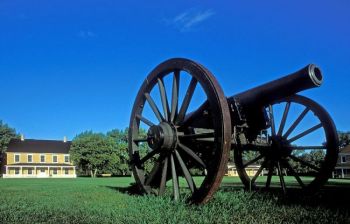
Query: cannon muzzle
x=306, y=78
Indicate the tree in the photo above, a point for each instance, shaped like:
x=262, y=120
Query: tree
x=344, y=138
x=314, y=157
x=6, y=134
x=94, y=153
x=120, y=137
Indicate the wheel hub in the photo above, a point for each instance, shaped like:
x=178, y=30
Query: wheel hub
x=162, y=136
x=280, y=148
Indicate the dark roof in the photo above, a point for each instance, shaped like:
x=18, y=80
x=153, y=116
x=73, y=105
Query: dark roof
x=346, y=149
x=39, y=146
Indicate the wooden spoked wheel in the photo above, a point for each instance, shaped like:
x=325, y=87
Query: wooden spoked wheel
x=299, y=150
x=169, y=150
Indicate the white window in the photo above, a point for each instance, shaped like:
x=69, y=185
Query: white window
x=54, y=159
x=66, y=172
x=54, y=171
x=343, y=159
x=17, y=171
x=17, y=158
x=42, y=159
x=66, y=159
x=30, y=158
x=30, y=171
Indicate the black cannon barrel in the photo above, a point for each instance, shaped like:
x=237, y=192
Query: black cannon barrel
x=249, y=105
x=306, y=78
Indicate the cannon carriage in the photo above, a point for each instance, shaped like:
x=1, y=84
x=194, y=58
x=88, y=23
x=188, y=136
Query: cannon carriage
x=269, y=126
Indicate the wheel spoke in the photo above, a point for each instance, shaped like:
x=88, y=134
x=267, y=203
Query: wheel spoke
x=144, y=120
x=269, y=175
x=164, y=176
x=154, y=107
x=140, y=140
x=280, y=174
x=294, y=173
x=259, y=172
x=148, y=156
x=308, y=147
x=284, y=119
x=309, y=131
x=187, y=100
x=253, y=161
x=296, y=123
x=175, y=180
x=272, y=120
x=192, y=154
x=305, y=163
x=164, y=98
x=136, y=159
x=185, y=171
x=153, y=172
x=252, y=147
x=175, y=95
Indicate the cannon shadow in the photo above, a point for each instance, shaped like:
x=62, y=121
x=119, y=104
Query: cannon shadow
x=330, y=196
x=132, y=190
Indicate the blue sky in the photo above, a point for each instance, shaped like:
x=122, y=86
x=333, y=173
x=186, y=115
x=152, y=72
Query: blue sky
x=70, y=66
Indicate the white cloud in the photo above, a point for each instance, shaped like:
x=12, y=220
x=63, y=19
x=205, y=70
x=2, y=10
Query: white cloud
x=191, y=18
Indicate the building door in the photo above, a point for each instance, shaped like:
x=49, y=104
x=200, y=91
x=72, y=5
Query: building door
x=42, y=172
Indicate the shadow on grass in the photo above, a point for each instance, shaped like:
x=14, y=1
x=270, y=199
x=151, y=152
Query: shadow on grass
x=333, y=195
x=132, y=190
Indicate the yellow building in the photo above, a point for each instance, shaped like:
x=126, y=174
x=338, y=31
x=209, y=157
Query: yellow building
x=38, y=159
x=342, y=169
x=250, y=170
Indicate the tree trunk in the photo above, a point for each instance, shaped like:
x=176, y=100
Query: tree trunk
x=95, y=173
x=92, y=174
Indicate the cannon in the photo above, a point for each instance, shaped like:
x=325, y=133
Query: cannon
x=183, y=130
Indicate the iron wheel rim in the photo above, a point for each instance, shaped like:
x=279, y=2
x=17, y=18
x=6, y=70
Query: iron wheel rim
x=221, y=123
x=324, y=170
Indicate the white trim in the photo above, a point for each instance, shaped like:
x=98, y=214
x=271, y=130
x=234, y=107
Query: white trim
x=28, y=158
x=53, y=155
x=66, y=155
x=341, y=159
x=29, y=168
x=19, y=171
x=14, y=158
x=37, y=171
x=42, y=174
x=44, y=158
x=43, y=166
x=38, y=177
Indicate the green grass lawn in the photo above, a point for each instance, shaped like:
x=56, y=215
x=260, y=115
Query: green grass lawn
x=85, y=200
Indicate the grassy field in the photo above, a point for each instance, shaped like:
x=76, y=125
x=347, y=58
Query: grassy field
x=85, y=200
